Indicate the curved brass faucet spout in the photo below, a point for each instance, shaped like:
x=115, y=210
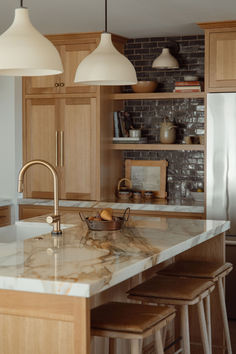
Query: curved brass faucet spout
x=54, y=219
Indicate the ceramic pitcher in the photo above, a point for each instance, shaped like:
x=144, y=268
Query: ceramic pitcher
x=167, y=132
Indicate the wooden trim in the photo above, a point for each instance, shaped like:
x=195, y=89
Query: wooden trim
x=181, y=147
x=62, y=95
x=87, y=37
x=213, y=25
x=156, y=95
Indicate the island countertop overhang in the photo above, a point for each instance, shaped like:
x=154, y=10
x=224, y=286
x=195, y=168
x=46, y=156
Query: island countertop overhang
x=86, y=263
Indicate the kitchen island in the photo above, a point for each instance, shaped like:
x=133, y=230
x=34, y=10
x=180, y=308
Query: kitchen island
x=49, y=284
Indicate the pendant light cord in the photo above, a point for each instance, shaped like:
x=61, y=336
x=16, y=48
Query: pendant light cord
x=105, y=16
x=21, y=3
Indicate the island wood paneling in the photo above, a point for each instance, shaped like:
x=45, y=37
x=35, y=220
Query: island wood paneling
x=42, y=323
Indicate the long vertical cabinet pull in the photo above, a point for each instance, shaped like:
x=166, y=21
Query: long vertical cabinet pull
x=56, y=148
x=62, y=148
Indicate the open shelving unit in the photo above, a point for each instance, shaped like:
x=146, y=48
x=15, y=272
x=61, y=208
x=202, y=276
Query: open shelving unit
x=183, y=147
x=156, y=95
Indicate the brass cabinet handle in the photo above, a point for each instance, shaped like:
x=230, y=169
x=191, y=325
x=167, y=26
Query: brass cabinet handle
x=56, y=148
x=62, y=84
x=57, y=84
x=62, y=148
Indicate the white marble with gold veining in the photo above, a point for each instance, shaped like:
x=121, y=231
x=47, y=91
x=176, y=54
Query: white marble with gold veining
x=182, y=206
x=62, y=203
x=84, y=263
x=5, y=202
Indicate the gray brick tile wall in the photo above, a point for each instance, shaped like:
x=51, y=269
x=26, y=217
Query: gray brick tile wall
x=186, y=168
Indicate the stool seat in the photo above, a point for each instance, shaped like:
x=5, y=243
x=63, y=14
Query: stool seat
x=170, y=287
x=197, y=269
x=128, y=317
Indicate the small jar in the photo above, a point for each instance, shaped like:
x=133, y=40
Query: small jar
x=148, y=194
x=137, y=195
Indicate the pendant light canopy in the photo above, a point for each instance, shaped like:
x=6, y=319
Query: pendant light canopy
x=25, y=51
x=165, y=61
x=106, y=65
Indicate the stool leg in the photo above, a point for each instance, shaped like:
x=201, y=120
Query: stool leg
x=112, y=346
x=208, y=320
x=224, y=315
x=134, y=346
x=203, y=328
x=185, y=328
x=158, y=343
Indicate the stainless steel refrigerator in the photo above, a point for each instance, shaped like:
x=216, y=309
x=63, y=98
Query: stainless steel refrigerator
x=221, y=176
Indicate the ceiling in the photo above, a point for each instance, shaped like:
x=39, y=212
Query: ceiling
x=130, y=18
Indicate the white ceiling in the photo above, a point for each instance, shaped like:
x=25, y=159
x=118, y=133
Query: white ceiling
x=130, y=18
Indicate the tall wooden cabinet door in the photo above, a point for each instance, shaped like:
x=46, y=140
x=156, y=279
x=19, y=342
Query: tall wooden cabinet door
x=41, y=138
x=78, y=145
x=43, y=84
x=222, y=60
x=72, y=55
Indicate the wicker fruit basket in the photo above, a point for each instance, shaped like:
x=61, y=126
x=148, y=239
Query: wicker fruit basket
x=106, y=225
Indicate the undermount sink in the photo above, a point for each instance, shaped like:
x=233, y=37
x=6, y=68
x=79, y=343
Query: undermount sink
x=22, y=230
x=12, y=240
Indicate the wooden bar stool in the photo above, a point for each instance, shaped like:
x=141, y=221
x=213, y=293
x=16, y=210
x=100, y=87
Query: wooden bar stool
x=130, y=321
x=178, y=291
x=210, y=271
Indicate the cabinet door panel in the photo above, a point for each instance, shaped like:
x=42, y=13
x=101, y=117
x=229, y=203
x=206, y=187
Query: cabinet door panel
x=79, y=152
x=43, y=84
x=41, y=143
x=222, y=63
x=72, y=56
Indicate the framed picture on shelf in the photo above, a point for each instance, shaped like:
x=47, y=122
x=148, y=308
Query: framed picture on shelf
x=147, y=175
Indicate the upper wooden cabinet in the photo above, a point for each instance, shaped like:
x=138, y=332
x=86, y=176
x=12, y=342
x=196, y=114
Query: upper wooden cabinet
x=73, y=49
x=220, y=56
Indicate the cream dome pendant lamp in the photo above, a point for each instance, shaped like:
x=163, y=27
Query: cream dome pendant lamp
x=106, y=65
x=165, y=60
x=25, y=51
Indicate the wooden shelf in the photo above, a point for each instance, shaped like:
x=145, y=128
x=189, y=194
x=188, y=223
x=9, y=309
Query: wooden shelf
x=196, y=147
x=156, y=95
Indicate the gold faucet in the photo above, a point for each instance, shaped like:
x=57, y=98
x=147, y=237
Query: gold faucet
x=54, y=219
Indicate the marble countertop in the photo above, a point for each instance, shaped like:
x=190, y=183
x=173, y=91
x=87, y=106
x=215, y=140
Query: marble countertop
x=5, y=202
x=83, y=263
x=181, y=206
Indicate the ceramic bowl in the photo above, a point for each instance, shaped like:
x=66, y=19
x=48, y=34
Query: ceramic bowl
x=190, y=78
x=144, y=86
x=198, y=196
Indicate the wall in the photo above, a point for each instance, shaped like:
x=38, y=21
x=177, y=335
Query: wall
x=186, y=169
x=10, y=136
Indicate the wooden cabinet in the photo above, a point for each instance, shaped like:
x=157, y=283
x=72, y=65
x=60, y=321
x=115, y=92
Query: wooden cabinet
x=73, y=49
x=5, y=215
x=70, y=126
x=61, y=131
x=220, y=56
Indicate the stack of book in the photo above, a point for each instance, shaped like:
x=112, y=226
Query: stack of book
x=187, y=86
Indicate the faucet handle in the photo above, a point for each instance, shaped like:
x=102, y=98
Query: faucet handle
x=52, y=218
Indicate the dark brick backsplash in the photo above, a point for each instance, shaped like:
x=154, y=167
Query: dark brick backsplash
x=185, y=168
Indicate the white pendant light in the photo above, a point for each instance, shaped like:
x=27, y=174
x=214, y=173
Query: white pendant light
x=106, y=65
x=165, y=60
x=25, y=51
